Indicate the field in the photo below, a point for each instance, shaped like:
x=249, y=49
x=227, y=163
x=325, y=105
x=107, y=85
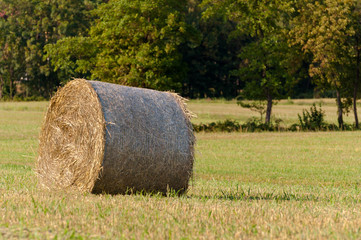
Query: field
x=286, y=110
x=246, y=185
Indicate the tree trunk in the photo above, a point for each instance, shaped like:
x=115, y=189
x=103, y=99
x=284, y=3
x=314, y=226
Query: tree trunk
x=11, y=89
x=11, y=85
x=355, y=106
x=190, y=91
x=1, y=87
x=269, y=107
x=355, y=88
x=339, y=109
x=11, y=79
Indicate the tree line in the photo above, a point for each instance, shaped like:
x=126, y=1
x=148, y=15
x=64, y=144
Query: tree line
x=251, y=49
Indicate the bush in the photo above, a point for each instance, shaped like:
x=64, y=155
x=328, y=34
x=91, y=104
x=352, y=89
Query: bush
x=226, y=126
x=252, y=125
x=255, y=125
x=312, y=120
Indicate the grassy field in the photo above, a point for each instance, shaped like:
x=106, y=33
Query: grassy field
x=246, y=185
x=210, y=111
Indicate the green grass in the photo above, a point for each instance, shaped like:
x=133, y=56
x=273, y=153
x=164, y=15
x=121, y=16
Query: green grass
x=246, y=185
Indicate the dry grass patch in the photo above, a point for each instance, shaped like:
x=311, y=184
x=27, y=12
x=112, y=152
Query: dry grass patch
x=44, y=215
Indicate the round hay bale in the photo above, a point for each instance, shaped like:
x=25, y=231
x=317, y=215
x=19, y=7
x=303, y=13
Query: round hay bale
x=100, y=137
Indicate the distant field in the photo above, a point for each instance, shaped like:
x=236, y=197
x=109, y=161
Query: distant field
x=246, y=185
x=215, y=110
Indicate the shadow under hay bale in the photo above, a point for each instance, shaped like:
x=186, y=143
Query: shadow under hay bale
x=100, y=137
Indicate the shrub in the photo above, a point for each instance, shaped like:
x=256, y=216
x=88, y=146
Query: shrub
x=226, y=126
x=312, y=120
x=256, y=125
x=252, y=125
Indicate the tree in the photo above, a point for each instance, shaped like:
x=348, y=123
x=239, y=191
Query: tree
x=133, y=43
x=329, y=31
x=27, y=28
x=211, y=59
x=354, y=46
x=265, y=72
x=51, y=21
x=11, y=47
x=72, y=57
x=264, y=68
x=256, y=106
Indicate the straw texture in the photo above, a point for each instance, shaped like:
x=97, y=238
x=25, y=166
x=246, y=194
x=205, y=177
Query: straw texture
x=101, y=137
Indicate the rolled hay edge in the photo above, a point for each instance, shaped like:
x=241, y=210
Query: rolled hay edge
x=70, y=156
x=100, y=137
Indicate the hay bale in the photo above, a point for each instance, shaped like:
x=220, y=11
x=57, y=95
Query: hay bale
x=101, y=137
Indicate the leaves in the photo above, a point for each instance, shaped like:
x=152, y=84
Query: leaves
x=31, y=25
x=323, y=28
x=264, y=68
x=133, y=43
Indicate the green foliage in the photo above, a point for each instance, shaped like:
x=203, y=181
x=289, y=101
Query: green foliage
x=257, y=106
x=72, y=57
x=313, y=119
x=264, y=69
x=256, y=125
x=138, y=42
x=211, y=60
x=226, y=126
x=265, y=56
x=26, y=29
x=330, y=31
x=252, y=125
x=322, y=28
x=134, y=43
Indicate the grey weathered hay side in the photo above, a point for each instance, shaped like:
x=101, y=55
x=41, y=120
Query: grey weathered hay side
x=101, y=137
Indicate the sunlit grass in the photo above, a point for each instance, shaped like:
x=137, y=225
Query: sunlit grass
x=245, y=186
